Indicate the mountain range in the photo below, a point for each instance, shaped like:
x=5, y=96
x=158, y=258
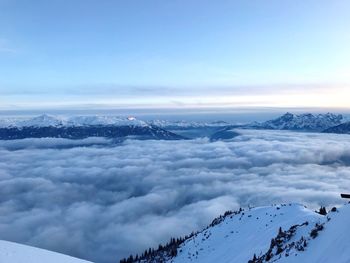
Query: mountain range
x=80, y=127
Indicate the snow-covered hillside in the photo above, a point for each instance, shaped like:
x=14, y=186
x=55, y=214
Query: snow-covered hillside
x=279, y=233
x=301, y=122
x=331, y=243
x=16, y=253
x=238, y=238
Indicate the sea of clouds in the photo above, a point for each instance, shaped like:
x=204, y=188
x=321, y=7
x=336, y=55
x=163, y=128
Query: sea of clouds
x=100, y=201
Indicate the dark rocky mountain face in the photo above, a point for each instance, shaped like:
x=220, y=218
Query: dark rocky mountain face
x=82, y=132
x=224, y=134
x=343, y=128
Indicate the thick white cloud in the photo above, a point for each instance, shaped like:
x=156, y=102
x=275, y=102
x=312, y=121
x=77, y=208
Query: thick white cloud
x=107, y=201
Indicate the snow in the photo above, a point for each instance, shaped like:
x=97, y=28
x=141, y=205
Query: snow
x=306, y=122
x=104, y=120
x=332, y=243
x=238, y=238
x=41, y=121
x=16, y=253
x=186, y=124
x=59, y=121
x=8, y=122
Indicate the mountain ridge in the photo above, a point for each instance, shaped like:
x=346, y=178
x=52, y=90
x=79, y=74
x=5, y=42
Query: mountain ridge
x=343, y=128
x=301, y=122
x=81, y=127
x=278, y=233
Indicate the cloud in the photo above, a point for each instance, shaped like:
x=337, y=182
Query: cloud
x=107, y=201
x=179, y=91
x=107, y=96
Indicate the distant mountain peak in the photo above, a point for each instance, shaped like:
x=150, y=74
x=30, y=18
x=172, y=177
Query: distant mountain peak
x=43, y=120
x=302, y=122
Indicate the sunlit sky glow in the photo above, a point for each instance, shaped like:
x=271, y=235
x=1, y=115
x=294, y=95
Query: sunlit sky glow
x=174, y=54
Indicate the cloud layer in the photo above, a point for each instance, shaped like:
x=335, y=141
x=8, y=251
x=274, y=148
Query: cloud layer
x=107, y=201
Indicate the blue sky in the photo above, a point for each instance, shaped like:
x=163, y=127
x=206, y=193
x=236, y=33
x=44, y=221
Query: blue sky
x=162, y=53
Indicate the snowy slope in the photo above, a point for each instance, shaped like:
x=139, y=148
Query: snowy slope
x=16, y=253
x=238, y=238
x=331, y=244
x=283, y=234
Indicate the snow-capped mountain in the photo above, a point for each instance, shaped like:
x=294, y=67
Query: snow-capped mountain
x=301, y=122
x=40, y=121
x=17, y=253
x=8, y=122
x=343, y=128
x=82, y=127
x=57, y=121
x=104, y=120
x=278, y=233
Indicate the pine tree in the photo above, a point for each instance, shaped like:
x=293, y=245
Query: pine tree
x=322, y=211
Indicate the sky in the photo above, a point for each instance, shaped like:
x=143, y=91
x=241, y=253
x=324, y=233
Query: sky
x=84, y=54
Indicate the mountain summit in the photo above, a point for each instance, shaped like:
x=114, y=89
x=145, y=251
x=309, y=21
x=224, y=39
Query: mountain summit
x=301, y=122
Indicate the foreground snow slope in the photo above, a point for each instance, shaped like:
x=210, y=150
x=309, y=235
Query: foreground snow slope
x=16, y=253
x=331, y=244
x=282, y=234
x=237, y=238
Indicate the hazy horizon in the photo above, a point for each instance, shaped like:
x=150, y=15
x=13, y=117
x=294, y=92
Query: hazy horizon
x=235, y=115
x=174, y=54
